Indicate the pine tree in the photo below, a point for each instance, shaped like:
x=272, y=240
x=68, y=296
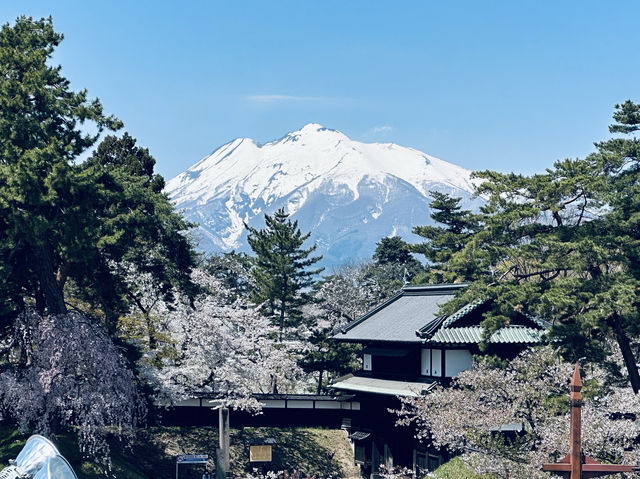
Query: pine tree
x=40, y=135
x=233, y=270
x=281, y=271
x=564, y=245
x=135, y=225
x=64, y=221
x=394, y=252
x=458, y=226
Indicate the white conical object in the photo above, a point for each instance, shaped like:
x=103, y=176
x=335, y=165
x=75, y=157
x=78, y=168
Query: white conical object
x=37, y=452
x=56, y=468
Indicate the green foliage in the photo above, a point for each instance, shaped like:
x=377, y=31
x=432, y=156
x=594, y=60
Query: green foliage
x=40, y=135
x=456, y=468
x=122, y=153
x=135, y=224
x=564, y=245
x=281, y=270
x=234, y=270
x=392, y=250
x=64, y=221
x=442, y=242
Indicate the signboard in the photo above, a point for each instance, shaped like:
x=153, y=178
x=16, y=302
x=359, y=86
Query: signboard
x=192, y=459
x=260, y=453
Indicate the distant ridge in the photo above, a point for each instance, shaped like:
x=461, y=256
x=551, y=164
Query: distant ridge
x=349, y=194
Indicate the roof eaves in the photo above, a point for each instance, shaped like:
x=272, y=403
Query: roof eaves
x=539, y=321
x=429, y=329
x=473, y=335
x=466, y=309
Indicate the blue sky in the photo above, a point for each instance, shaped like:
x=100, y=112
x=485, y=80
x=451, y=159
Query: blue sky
x=511, y=86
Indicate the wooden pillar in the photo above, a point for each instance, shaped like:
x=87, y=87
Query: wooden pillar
x=375, y=458
x=575, y=463
x=575, y=448
x=222, y=453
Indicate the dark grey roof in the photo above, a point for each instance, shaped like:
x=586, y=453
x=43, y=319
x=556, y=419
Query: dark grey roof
x=412, y=317
x=399, y=318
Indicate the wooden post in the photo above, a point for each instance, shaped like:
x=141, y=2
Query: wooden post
x=222, y=454
x=576, y=465
x=575, y=428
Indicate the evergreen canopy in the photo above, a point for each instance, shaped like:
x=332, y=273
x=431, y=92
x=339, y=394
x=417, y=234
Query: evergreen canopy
x=281, y=269
x=565, y=245
x=60, y=220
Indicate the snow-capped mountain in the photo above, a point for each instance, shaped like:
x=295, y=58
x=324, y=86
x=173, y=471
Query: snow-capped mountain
x=348, y=194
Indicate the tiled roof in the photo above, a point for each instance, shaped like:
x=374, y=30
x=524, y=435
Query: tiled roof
x=412, y=317
x=399, y=318
x=463, y=312
x=473, y=334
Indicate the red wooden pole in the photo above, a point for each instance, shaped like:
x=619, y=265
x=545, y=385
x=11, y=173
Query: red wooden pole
x=575, y=448
x=572, y=466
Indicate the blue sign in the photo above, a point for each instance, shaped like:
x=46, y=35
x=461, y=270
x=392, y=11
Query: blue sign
x=192, y=459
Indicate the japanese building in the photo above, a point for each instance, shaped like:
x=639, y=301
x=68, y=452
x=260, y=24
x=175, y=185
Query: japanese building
x=408, y=348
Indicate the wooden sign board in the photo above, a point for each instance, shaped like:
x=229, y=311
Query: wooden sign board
x=260, y=453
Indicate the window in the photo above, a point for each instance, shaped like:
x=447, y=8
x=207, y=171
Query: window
x=431, y=362
x=366, y=362
x=448, y=363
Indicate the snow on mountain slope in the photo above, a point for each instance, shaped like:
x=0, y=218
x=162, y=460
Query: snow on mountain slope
x=347, y=193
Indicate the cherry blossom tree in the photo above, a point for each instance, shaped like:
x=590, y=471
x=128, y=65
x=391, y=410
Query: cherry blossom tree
x=528, y=395
x=224, y=347
x=64, y=371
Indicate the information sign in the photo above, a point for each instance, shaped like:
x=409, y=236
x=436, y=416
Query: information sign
x=192, y=459
x=260, y=453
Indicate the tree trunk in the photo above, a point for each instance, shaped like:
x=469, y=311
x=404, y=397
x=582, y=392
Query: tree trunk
x=151, y=332
x=63, y=274
x=43, y=266
x=627, y=353
x=320, y=373
x=281, y=320
x=41, y=302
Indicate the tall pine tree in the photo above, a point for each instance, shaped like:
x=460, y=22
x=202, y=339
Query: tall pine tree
x=565, y=245
x=456, y=227
x=40, y=190
x=394, y=252
x=282, y=271
x=62, y=221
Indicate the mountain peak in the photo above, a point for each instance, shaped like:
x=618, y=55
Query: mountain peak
x=311, y=128
x=348, y=193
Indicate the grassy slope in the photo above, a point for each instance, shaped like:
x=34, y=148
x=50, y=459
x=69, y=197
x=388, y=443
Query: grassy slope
x=456, y=469
x=322, y=451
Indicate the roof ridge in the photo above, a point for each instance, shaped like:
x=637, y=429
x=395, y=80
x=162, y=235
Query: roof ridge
x=440, y=287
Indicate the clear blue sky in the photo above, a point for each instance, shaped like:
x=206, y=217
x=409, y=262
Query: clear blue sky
x=509, y=85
